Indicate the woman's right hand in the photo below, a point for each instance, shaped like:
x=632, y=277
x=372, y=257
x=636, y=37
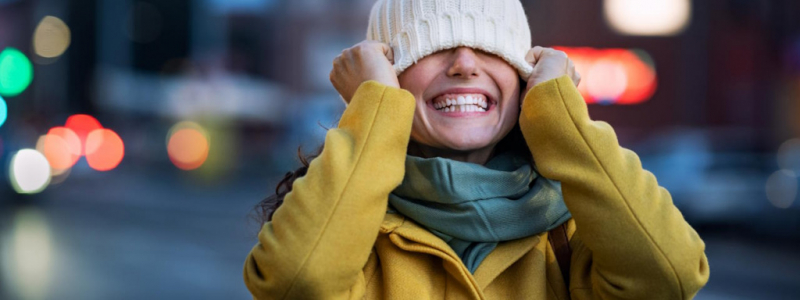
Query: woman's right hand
x=548, y=63
x=367, y=60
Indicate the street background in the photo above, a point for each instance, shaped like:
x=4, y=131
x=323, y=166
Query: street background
x=136, y=136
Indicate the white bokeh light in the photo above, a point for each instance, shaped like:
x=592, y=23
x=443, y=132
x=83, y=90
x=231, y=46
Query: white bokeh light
x=29, y=171
x=789, y=155
x=781, y=188
x=648, y=17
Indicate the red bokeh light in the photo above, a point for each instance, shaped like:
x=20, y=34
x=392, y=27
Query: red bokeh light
x=82, y=125
x=104, y=149
x=62, y=148
x=599, y=66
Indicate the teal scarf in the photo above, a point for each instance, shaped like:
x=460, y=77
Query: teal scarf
x=473, y=207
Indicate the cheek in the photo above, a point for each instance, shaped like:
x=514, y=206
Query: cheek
x=417, y=78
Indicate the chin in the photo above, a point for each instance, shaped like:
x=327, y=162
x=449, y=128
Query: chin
x=467, y=141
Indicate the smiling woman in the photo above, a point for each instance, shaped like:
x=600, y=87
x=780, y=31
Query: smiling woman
x=466, y=166
x=478, y=95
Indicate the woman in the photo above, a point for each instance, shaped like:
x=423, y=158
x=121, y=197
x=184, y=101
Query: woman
x=426, y=191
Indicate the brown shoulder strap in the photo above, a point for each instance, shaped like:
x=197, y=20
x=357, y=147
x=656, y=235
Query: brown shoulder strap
x=560, y=242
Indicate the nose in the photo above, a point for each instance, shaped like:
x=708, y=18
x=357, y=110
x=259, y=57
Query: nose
x=464, y=64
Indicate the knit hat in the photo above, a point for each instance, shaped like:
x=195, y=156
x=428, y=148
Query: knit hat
x=416, y=28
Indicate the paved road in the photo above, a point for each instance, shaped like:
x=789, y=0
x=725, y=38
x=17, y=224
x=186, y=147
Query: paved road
x=148, y=237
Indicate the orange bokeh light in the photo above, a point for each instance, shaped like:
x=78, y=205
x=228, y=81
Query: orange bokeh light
x=82, y=125
x=188, y=147
x=104, y=149
x=62, y=148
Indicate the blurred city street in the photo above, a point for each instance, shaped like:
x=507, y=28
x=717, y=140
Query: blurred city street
x=162, y=238
x=134, y=237
x=137, y=136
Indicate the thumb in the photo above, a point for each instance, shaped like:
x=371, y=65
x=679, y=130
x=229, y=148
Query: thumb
x=387, y=51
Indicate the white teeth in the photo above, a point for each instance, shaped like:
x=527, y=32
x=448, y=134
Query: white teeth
x=462, y=103
x=461, y=108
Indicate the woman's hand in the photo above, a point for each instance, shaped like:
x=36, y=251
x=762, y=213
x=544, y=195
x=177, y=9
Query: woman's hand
x=367, y=60
x=548, y=63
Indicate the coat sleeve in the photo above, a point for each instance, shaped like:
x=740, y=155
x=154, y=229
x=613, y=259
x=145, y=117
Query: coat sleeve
x=319, y=240
x=641, y=247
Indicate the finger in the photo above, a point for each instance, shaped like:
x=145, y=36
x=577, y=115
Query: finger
x=529, y=57
x=388, y=52
x=537, y=52
x=570, y=68
x=573, y=74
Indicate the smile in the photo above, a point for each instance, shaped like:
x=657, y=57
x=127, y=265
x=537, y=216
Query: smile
x=461, y=103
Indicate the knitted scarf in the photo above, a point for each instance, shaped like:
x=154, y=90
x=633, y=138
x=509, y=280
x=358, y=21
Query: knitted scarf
x=473, y=207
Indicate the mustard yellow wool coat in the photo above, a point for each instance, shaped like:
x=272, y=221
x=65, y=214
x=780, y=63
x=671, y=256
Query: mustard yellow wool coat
x=332, y=238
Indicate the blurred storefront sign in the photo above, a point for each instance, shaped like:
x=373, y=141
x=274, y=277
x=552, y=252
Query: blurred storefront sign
x=614, y=76
x=185, y=97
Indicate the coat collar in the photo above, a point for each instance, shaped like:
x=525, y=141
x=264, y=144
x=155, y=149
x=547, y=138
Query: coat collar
x=500, y=259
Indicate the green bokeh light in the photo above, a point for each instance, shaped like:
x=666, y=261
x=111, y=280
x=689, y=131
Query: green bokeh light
x=16, y=72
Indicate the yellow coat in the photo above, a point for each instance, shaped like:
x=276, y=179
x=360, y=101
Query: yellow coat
x=331, y=239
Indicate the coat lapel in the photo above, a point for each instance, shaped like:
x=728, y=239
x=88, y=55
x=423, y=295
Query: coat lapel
x=502, y=257
x=418, y=239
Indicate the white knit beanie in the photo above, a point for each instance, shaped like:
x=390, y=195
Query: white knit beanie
x=416, y=28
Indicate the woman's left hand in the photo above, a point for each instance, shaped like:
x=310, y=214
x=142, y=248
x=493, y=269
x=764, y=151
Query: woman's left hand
x=548, y=63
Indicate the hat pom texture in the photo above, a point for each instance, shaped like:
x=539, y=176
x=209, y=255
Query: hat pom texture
x=417, y=28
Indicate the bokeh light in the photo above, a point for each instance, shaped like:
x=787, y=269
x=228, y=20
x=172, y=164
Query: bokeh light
x=57, y=147
x=789, y=155
x=606, y=80
x=781, y=188
x=641, y=79
x=3, y=111
x=187, y=145
x=82, y=125
x=614, y=76
x=62, y=148
x=16, y=72
x=28, y=255
x=29, y=171
x=104, y=149
x=648, y=17
x=51, y=38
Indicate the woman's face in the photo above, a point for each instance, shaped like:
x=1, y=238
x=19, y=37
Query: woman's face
x=467, y=99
